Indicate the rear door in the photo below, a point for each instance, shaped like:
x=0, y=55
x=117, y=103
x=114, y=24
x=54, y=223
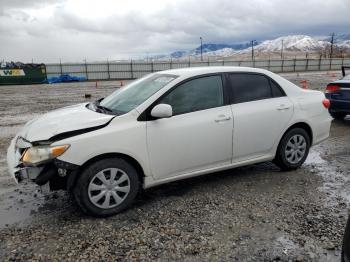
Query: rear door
x=261, y=111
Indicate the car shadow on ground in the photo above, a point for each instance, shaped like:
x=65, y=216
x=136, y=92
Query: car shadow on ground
x=182, y=187
x=203, y=184
x=62, y=203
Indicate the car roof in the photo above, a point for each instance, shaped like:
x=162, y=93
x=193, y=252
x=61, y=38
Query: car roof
x=194, y=71
x=184, y=73
x=340, y=81
x=344, y=79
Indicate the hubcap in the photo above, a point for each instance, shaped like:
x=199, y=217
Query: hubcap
x=109, y=188
x=295, y=149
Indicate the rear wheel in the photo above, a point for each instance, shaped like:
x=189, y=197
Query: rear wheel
x=293, y=149
x=338, y=115
x=106, y=187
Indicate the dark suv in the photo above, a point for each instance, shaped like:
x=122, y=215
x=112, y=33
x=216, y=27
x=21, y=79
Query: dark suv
x=338, y=92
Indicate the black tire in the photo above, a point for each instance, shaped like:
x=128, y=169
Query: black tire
x=81, y=189
x=345, y=254
x=281, y=160
x=338, y=115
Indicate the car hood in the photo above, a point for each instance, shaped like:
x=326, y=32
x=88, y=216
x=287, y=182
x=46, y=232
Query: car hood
x=67, y=119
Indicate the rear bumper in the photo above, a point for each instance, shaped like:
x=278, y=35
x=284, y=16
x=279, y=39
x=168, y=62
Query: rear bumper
x=339, y=105
x=321, y=126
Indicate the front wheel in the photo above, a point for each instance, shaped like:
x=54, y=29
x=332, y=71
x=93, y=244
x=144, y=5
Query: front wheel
x=106, y=187
x=293, y=149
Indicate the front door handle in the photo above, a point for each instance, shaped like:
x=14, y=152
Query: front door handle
x=222, y=119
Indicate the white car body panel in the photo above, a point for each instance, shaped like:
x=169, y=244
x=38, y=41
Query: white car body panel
x=150, y=181
x=257, y=124
x=185, y=145
x=176, y=145
x=308, y=109
x=62, y=120
x=124, y=135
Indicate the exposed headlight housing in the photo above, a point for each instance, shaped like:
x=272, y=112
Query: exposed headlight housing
x=38, y=154
x=22, y=143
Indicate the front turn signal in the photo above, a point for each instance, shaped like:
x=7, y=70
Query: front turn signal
x=37, y=154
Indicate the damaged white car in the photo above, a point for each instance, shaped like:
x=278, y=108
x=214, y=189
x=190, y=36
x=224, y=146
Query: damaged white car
x=168, y=126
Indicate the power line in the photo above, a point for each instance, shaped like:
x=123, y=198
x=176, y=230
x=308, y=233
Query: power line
x=253, y=42
x=201, y=48
x=282, y=50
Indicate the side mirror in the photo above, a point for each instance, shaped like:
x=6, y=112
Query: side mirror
x=162, y=111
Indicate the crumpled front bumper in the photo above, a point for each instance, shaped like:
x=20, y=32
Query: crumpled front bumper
x=13, y=159
x=13, y=162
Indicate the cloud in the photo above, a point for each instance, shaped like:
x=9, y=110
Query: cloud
x=21, y=4
x=97, y=30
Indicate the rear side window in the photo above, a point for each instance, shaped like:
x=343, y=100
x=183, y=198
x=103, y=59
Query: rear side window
x=251, y=87
x=197, y=94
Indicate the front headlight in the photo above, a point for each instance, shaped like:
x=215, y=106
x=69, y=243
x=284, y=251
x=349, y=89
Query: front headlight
x=37, y=154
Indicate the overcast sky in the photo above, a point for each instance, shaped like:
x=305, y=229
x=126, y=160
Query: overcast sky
x=47, y=30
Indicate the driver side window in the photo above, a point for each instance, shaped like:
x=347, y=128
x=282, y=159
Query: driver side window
x=197, y=94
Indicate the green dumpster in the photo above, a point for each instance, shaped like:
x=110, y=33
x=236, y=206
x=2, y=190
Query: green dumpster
x=26, y=74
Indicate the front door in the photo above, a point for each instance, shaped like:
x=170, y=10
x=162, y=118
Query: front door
x=199, y=134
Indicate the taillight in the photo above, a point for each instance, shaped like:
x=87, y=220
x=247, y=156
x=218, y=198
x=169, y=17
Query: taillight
x=332, y=88
x=326, y=103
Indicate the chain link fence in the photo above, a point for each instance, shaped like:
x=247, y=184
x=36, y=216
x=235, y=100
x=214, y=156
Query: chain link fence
x=133, y=69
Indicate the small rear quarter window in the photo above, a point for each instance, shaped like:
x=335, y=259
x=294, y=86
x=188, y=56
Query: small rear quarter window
x=276, y=90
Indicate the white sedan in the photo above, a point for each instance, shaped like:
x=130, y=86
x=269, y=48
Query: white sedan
x=168, y=126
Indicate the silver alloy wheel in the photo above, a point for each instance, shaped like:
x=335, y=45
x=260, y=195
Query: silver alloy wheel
x=295, y=149
x=109, y=188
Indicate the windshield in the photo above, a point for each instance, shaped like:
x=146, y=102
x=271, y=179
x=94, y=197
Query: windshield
x=125, y=99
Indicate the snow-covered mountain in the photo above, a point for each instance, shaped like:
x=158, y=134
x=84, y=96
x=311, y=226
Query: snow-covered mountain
x=302, y=43
x=225, y=52
x=291, y=43
x=210, y=49
x=338, y=38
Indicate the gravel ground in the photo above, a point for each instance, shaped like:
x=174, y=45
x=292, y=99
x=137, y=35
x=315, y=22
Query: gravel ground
x=253, y=213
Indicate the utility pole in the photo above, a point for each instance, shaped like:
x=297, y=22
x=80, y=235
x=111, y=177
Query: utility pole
x=253, y=42
x=61, y=71
x=332, y=42
x=201, y=48
x=282, y=50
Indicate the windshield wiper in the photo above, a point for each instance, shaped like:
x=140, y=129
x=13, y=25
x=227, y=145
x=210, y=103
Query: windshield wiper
x=104, y=109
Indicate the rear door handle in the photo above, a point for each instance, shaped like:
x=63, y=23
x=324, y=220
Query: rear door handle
x=283, y=107
x=222, y=119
